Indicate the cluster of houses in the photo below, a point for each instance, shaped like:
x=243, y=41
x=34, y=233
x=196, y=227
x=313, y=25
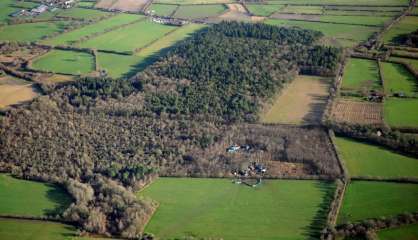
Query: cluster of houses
x=51, y=5
x=169, y=21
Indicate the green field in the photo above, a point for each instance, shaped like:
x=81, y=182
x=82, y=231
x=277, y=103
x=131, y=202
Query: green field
x=77, y=34
x=360, y=13
x=29, y=198
x=344, y=2
x=347, y=35
x=398, y=79
x=65, y=62
x=83, y=13
x=86, y=4
x=409, y=232
x=163, y=9
x=363, y=159
x=118, y=65
x=263, y=9
x=302, y=9
x=219, y=209
x=199, y=11
x=401, y=112
x=361, y=74
x=363, y=200
x=129, y=38
x=193, y=1
x=412, y=62
x=30, y=31
x=406, y=25
x=12, y=229
x=366, y=20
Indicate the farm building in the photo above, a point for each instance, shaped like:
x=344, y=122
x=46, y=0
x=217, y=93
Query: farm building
x=40, y=9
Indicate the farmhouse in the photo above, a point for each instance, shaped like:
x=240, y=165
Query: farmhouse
x=39, y=9
x=169, y=21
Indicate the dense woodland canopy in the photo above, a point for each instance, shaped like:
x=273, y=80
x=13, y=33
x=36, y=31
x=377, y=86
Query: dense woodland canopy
x=105, y=138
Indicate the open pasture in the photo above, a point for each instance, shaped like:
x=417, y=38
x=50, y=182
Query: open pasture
x=360, y=20
x=71, y=37
x=347, y=35
x=357, y=112
x=302, y=9
x=365, y=199
x=14, y=91
x=401, y=113
x=65, y=62
x=129, y=38
x=217, y=208
x=398, y=79
x=408, y=232
x=199, y=11
x=343, y=2
x=407, y=25
x=412, y=62
x=83, y=13
x=162, y=9
x=263, y=9
x=188, y=2
x=361, y=75
x=118, y=65
x=28, y=198
x=29, y=32
x=364, y=159
x=122, y=5
x=302, y=101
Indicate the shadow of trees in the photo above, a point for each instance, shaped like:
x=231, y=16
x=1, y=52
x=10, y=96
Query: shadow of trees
x=59, y=197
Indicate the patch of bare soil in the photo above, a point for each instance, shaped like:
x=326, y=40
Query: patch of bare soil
x=236, y=16
x=236, y=7
x=14, y=91
x=289, y=16
x=123, y=5
x=357, y=112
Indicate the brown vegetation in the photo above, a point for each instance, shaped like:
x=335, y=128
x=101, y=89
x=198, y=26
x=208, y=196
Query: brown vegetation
x=357, y=112
x=122, y=5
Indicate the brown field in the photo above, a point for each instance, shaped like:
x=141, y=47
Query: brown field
x=236, y=7
x=302, y=102
x=55, y=78
x=357, y=112
x=14, y=91
x=123, y=5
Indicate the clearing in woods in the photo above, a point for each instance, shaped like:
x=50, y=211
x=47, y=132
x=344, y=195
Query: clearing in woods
x=364, y=159
x=302, y=101
x=28, y=198
x=14, y=91
x=357, y=112
x=366, y=199
x=220, y=209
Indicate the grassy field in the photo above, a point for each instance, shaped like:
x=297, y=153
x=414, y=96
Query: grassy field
x=409, y=232
x=366, y=20
x=361, y=74
x=398, y=79
x=118, y=65
x=125, y=65
x=86, y=4
x=363, y=159
x=12, y=229
x=28, y=198
x=129, y=38
x=30, y=31
x=406, y=25
x=14, y=91
x=193, y=1
x=303, y=101
x=163, y=9
x=347, y=35
x=199, y=11
x=217, y=208
x=66, y=62
x=83, y=13
x=360, y=13
x=364, y=200
x=412, y=62
x=302, y=9
x=401, y=112
x=344, y=2
x=263, y=9
x=75, y=35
